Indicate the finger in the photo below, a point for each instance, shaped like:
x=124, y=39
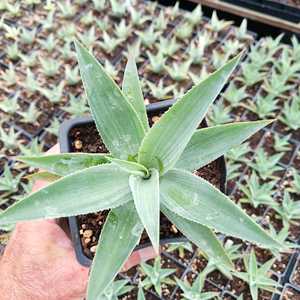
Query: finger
x=139, y=256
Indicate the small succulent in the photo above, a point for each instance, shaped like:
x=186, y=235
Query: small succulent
x=9, y=183
x=231, y=47
x=288, y=210
x=217, y=25
x=54, y=127
x=241, y=32
x=295, y=51
x=238, y=153
x=167, y=47
x=290, y=114
x=27, y=36
x=194, y=291
x=118, y=9
x=103, y=23
x=31, y=115
x=35, y=148
x=184, y=31
x=29, y=60
x=13, y=51
x=67, y=32
x=159, y=91
x=195, y=51
x=258, y=277
x=281, y=143
x=218, y=58
x=11, y=32
x=257, y=193
x=160, y=22
x=266, y=165
x=295, y=188
x=87, y=19
x=67, y=9
x=197, y=78
x=72, y=75
x=48, y=22
x=156, y=276
x=54, y=94
x=276, y=85
x=77, y=106
x=99, y=5
x=66, y=52
x=264, y=106
x=50, y=66
x=232, y=251
x=272, y=45
x=156, y=62
x=251, y=74
x=111, y=69
x=233, y=170
x=137, y=17
x=260, y=57
x=181, y=247
x=234, y=95
x=89, y=38
x=122, y=30
x=148, y=37
x=10, y=104
x=116, y=289
x=173, y=11
x=10, y=138
x=194, y=17
x=9, y=75
x=136, y=180
x=219, y=114
x=281, y=237
x=30, y=84
x=49, y=44
x=109, y=43
x=179, y=71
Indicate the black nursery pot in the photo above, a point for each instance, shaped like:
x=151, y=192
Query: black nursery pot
x=65, y=147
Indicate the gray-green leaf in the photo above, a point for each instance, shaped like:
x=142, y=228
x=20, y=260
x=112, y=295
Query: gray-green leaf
x=210, y=143
x=65, y=196
x=120, y=234
x=117, y=122
x=166, y=140
x=200, y=235
x=65, y=163
x=146, y=199
x=132, y=89
x=199, y=201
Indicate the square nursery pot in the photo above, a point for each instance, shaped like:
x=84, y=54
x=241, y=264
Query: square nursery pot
x=66, y=145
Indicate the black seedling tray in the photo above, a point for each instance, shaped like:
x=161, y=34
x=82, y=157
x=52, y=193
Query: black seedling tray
x=272, y=8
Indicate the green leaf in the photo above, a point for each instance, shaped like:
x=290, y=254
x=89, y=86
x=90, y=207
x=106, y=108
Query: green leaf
x=120, y=234
x=117, y=122
x=132, y=90
x=210, y=143
x=130, y=167
x=82, y=192
x=166, y=140
x=200, y=235
x=146, y=199
x=65, y=163
x=141, y=295
x=197, y=200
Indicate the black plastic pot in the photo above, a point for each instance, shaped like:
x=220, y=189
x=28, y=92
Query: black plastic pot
x=272, y=8
x=65, y=146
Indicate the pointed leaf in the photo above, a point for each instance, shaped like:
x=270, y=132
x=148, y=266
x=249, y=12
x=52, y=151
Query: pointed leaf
x=210, y=143
x=65, y=163
x=141, y=295
x=200, y=235
x=119, y=236
x=130, y=167
x=82, y=192
x=146, y=199
x=117, y=122
x=132, y=90
x=197, y=200
x=166, y=140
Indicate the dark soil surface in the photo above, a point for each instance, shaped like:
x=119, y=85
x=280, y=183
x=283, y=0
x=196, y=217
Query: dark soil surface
x=290, y=294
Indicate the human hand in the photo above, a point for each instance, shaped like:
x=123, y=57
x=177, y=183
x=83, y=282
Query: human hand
x=39, y=262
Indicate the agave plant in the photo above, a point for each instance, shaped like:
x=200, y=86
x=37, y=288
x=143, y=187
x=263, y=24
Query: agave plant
x=54, y=93
x=241, y=32
x=290, y=114
x=27, y=37
x=235, y=95
x=13, y=51
x=216, y=24
x=116, y=289
x=295, y=188
x=219, y=114
x=194, y=17
x=258, y=277
x=179, y=71
x=10, y=105
x=147, y=170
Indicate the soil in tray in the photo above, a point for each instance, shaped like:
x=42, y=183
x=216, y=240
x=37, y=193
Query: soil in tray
x=290, y=294
x=295, y=277
x=86, y=139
